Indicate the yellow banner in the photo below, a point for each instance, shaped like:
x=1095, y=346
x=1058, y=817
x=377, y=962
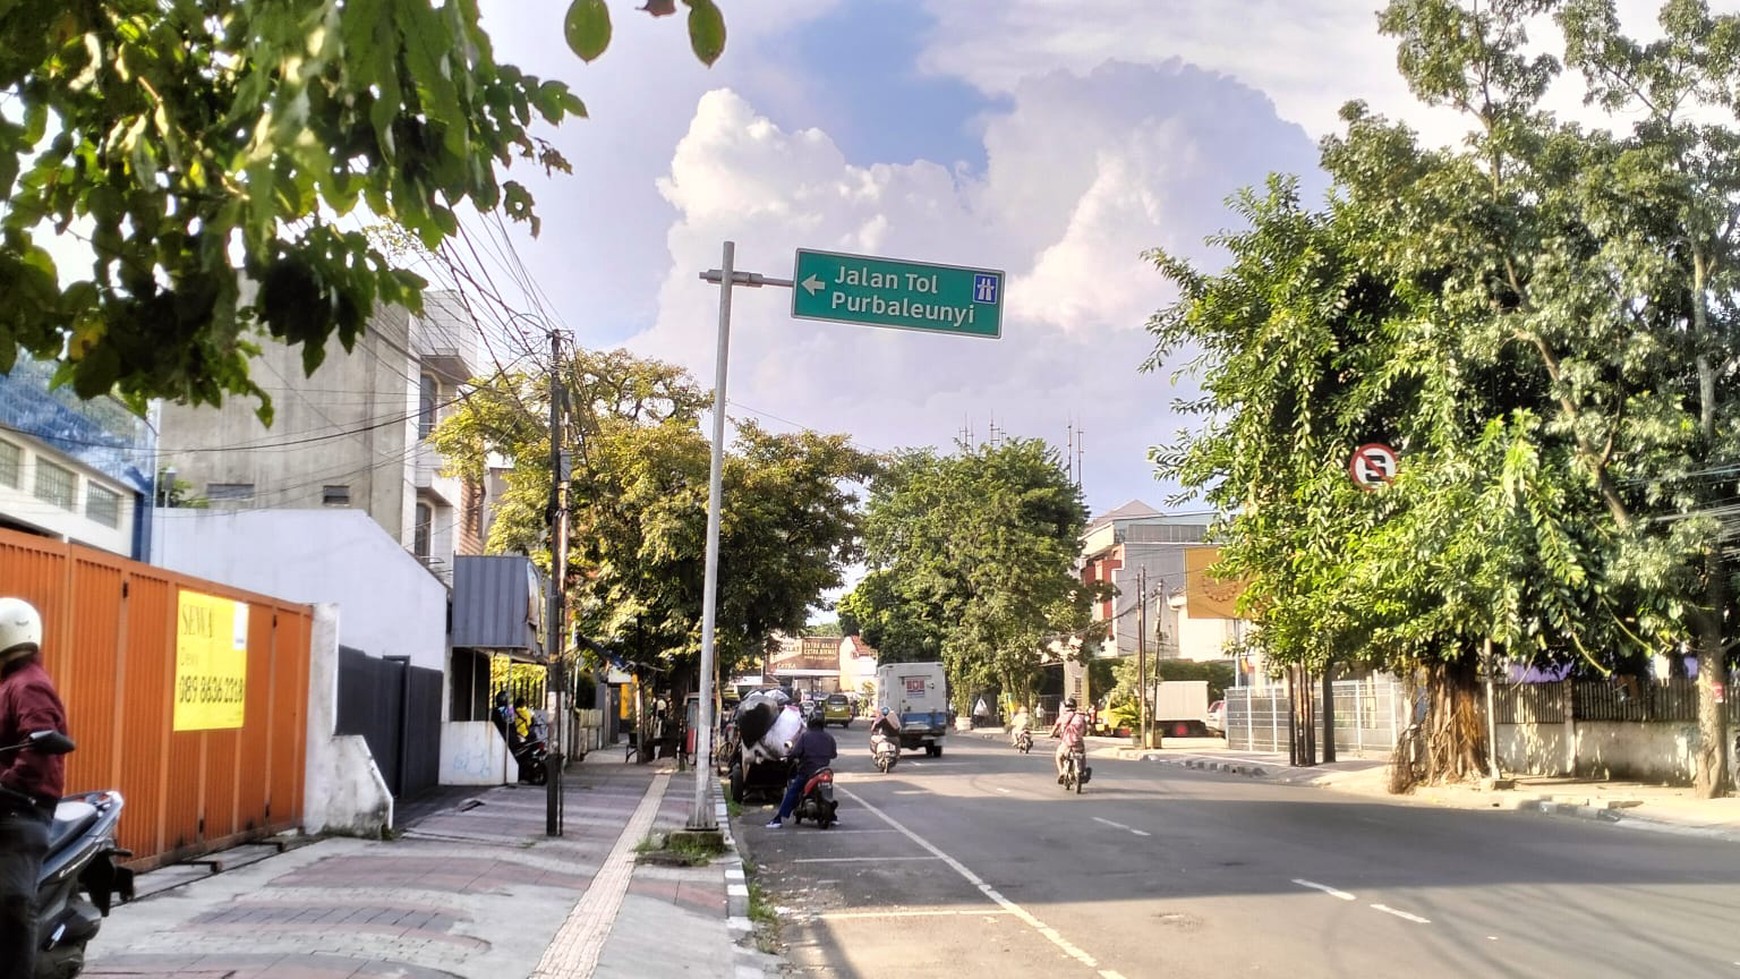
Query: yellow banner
x=1209, y=597
x=211, y=662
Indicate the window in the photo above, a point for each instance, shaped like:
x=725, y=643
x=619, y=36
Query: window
x=426, y=394
x=11, y=464
x=420, y=536
x=55, y=484
x=229, y=492
x=335, y=496
x=103, y=505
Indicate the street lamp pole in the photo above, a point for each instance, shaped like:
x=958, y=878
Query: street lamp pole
x=701, y=816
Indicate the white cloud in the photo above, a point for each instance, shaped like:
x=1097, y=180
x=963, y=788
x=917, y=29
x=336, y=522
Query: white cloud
x=1085, y=172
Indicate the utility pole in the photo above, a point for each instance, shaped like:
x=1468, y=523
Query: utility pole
x=1142, y=652
x=1328, y=712
x=1491, y=712
x=555, y=629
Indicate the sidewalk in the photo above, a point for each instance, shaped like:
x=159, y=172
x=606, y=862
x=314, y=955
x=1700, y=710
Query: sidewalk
x=473, y=890
x=1658, y=807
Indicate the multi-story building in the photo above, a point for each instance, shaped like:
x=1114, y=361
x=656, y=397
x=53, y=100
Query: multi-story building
x=75, y=470
x=1134, y=542
x=352, y=434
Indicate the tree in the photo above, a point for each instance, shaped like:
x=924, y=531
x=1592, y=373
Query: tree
x=1538, y=321
x=211, y=147
x=638, y=507
x=972, y=562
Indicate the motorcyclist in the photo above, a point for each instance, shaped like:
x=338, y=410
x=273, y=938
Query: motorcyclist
x=32, y=781
x=1071, y=726
x=886, y=723
x=1020, y=725
x=811, y=753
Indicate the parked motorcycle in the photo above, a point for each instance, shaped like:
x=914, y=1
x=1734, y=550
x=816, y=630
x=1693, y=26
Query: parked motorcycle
x=531, y=755
x=1076, y=772
x=79, y=877
x=1024, y=741
x=817, y=802
x=885, y=751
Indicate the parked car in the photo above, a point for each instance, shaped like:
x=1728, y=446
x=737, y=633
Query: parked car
x=1217, y=718
x=837, y=709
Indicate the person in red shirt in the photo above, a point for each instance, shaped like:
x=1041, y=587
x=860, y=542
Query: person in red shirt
x=30, y=781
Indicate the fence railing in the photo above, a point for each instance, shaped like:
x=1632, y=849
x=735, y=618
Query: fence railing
x=1619, y=699
x=1369, y=714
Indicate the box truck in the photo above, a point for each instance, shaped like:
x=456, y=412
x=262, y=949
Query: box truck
x=917, y=694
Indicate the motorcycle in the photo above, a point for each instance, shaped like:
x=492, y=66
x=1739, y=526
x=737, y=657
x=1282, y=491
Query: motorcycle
x=1024, y=741
x=1076, y=772
x=530, y=755
x=817, y=802
x=885, y=751
x=79, y=878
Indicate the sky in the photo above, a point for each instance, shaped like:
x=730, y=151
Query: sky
x=1054, y=140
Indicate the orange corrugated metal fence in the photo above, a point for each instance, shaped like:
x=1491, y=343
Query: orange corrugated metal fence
x=109, y=637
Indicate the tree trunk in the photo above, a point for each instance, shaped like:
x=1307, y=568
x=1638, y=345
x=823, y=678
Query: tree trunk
x=1455, y=730
x=1710, y=781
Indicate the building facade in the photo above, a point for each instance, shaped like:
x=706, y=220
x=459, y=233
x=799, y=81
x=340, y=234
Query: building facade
x=353, y=434
x=1136, y=542
x=73, y=470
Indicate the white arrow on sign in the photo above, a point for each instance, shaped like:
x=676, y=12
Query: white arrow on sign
x=813, y=285
x=1372, y=465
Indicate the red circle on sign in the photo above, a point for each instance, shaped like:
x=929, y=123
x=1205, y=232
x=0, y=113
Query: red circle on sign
x=1372, y=465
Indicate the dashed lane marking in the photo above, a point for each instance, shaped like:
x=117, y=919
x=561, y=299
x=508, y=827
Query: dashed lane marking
x=1325, y=888
x=1386, y=909
x=1050, y=933
x=1127, y=829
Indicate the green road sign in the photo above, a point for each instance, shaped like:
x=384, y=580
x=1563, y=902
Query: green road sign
x=905, y=295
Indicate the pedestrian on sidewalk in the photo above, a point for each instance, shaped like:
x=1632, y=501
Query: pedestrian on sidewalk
x=30, y=781
x=813, y=751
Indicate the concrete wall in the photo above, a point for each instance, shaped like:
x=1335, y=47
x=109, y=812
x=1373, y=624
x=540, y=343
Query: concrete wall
x=1645, y=752
x=473, y=753
x=20, y=504
x=392, y=605
x=344, y=790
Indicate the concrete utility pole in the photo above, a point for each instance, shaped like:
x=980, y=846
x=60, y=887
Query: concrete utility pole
x=1142, y=652
x=555, y=629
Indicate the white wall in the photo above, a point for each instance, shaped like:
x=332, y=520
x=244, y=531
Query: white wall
x=21, y=504
x=343, y=790
x=391, y=604
x=1200, y=639
x=473, y=753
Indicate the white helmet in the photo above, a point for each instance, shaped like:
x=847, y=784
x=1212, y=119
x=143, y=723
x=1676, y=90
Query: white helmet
x=20, y=625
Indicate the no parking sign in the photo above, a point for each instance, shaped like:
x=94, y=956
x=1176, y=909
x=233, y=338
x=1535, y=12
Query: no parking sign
x=1372, y=465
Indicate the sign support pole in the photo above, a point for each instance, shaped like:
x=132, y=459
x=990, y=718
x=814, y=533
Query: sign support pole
x=701, y=816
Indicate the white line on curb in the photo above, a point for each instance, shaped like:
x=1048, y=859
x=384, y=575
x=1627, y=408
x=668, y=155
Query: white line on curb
x=1017, y=910
x=1325, y=888
x=1386, y=909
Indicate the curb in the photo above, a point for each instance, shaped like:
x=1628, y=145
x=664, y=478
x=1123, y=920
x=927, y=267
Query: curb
x=749, y=961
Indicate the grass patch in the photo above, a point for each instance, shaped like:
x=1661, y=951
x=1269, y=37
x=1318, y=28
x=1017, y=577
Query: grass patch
x=680, y=849
x=761, y=914
x=733, y=808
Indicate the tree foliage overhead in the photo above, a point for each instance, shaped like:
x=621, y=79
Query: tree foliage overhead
x=972, y=562
x=1542, y=321
x=638, y=506
x=198, y=145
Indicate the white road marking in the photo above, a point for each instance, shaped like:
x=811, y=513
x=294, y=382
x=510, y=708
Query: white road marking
x=856, y=859
x=1002, y=790
x=1130, y=829
x=843, y=915
x=1017, y=910
x=1386, y=909
x=1325, y=888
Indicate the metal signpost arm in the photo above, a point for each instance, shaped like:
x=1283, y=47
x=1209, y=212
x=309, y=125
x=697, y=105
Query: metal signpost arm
x=701, y=816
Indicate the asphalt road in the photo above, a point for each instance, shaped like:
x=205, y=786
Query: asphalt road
x=977, y=863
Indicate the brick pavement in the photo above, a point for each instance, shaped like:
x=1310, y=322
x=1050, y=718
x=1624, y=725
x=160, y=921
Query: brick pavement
x=465, y=892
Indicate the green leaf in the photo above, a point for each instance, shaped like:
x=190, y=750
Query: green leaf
x=706, y=30
x=587, y=28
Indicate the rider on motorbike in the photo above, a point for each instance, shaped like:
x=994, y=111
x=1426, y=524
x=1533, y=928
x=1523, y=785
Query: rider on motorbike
x=1020, y=725
x=886, y=723
x=1071, y=726
x=811, y=753
x=32, y=781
